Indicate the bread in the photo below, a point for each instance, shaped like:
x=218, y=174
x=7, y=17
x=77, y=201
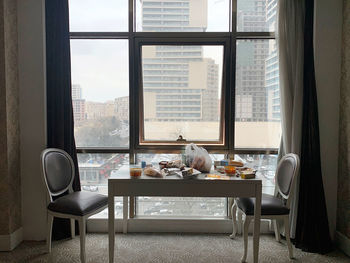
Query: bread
x=151, y=172
x=236, y=163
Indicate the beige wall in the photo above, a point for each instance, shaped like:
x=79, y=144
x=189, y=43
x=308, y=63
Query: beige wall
x=10, y=181
x=248, y=134
x=197, y=72
x=149, y=105
x=328, y=32
x=343, y=212
x=198, y=13
x=32, y=88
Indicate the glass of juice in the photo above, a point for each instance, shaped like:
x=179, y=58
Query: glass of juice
x=135, y=172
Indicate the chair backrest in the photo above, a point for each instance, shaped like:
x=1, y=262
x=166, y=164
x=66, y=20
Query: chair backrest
x=58, y=171
x=287, y=171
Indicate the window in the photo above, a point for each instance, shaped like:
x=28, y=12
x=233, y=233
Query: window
x=100, y=92
x=187, y=87
x=145, y=72
x=98, y=16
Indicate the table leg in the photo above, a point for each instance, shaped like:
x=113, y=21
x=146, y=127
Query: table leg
x=111, y=230
x=125, y=214
x=257, y=216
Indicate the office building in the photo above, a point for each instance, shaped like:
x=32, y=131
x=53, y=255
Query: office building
x=173, y=89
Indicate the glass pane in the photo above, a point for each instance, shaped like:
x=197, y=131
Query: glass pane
x=100, y=92
x=181, y=206
x=98, y=16
x=182, y=15
x=266, y=165
x=178, y=206
x=258, y=120
x=256, y=15
x=182, y=85
x=95, y=169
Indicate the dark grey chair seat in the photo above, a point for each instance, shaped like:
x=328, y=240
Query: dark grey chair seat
x=270, y=205
x=78, y=203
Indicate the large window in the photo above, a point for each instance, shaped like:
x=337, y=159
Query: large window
x=145, y=72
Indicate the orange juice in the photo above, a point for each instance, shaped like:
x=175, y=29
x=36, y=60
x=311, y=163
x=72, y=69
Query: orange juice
x=230, y=169
x=135, y=172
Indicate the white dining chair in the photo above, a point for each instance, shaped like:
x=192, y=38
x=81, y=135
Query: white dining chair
x=275, y=207
x=58, y=175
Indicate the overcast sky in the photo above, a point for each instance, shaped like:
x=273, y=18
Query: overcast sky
x=101, y=66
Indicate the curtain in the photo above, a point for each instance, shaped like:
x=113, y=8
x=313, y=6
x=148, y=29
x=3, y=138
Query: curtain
x=312, y=231
x=290, y=34
x=60, y=125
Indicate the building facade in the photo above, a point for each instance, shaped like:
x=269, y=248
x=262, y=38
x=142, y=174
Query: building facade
x=79, y=104
x=179, y=82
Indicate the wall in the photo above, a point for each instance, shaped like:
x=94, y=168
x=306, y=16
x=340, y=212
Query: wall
x=343, y=213
x=10, y=181
x=32, y=115
x=328, y=25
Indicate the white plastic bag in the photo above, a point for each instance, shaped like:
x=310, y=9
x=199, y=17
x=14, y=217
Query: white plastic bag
x=198, y=158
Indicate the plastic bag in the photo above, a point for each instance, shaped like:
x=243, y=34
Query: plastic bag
x=198, y=158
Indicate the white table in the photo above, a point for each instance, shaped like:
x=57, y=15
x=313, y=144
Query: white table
x=123, y=185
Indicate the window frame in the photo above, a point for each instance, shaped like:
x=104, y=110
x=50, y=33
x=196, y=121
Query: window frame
x=141, y=143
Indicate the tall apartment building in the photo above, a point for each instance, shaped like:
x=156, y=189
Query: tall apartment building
x=251, y=93
x=79, y=105
x=272, y=67
x=179, y=82
x=77, y=92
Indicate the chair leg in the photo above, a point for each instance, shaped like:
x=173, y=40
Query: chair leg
x=245, y=237
x=234, y=220
x=277, y=230
x=287, y=230
x=49, y=232
x=240, y=222
x=72, y=228
x=82, y=232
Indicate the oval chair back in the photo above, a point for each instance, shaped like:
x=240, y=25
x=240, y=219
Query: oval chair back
x=58, y=171
x=286, y=174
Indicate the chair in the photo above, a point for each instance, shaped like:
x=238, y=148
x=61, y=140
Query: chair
x=58, y=175
x=272, y=207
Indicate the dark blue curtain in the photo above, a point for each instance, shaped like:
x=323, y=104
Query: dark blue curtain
x=312, y=230
x=60, y=122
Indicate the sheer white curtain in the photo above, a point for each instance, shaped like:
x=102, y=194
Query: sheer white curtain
x=290, y=38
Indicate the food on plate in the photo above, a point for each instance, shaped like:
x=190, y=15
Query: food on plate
x=150, y=171
x=171, y=164
x=217, y=177
x=187, y=172
x=236, y=163
x=162, y=164
x=175, y=164
x=248, y=173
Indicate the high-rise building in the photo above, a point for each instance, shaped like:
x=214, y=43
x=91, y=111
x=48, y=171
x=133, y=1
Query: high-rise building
x=78, y=104
x=179, y=82
x=76, y=92
x=256, y=83
x=272, y=67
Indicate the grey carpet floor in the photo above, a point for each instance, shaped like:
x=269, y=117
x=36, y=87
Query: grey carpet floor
x=167, y=248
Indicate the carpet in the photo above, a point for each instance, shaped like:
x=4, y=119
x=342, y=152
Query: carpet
x=163, y=248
